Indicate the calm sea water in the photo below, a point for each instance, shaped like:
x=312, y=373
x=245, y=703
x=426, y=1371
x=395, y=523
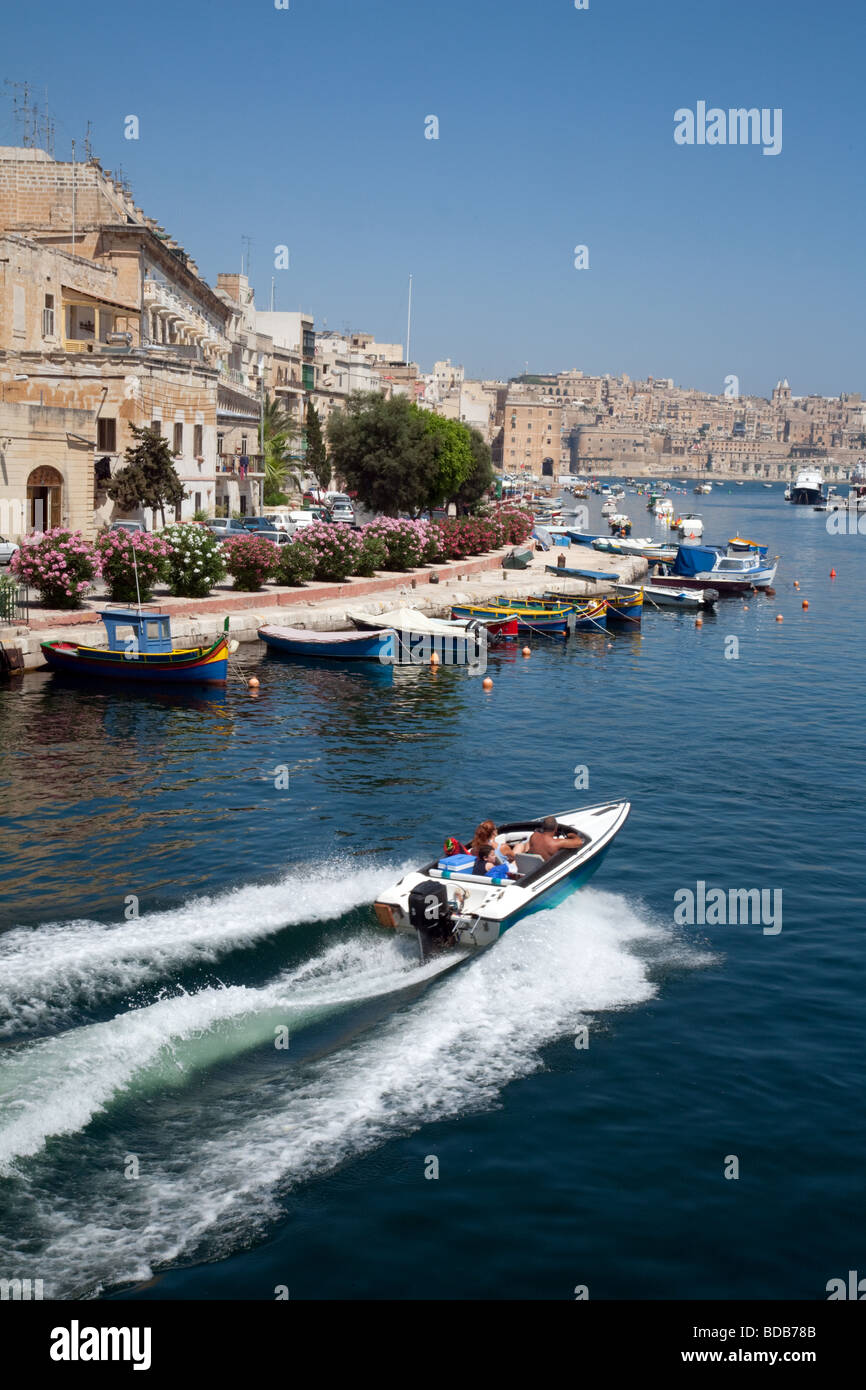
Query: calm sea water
x=144, y=1044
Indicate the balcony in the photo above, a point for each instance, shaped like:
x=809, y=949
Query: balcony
x=230, y=465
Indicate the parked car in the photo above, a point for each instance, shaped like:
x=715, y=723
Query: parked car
x=133, y=526
x=306, y=517
x=7, y=550
x=225, y=526
x=343, y=513
x=258, y=523
x=278, y=537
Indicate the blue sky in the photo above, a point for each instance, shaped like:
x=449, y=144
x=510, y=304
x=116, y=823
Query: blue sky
x=305, y=127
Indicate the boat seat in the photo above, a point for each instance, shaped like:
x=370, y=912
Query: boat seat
x=528, y=863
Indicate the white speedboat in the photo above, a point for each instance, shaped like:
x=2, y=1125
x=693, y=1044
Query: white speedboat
x=690, y=526
x=447, y=906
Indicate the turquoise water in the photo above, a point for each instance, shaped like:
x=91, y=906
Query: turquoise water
x=146, y=1043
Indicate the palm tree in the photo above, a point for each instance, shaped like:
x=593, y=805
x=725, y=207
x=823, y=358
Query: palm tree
x=278, y=429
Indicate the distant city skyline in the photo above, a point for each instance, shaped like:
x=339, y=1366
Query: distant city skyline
x=487, y=150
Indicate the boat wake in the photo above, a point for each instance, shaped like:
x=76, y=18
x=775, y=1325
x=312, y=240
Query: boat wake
x=216, y=1169
x=48, y=975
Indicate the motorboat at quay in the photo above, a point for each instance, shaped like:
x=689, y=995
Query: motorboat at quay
x=449, y=907
x=657, y=596
x=703, y=567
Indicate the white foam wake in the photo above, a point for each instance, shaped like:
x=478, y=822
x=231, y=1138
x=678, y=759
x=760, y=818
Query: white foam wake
x=56, y=1086
x=48, y=973
x=453, y=1050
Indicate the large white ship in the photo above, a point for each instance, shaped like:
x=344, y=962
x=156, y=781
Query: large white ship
x=808, y=488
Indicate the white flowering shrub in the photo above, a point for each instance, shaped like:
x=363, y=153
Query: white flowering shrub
x=195, y=562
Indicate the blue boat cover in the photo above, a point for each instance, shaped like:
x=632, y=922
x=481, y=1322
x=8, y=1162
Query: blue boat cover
x=694, y=559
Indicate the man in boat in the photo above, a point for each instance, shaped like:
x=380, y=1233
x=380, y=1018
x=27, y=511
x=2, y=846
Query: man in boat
x=547, y=841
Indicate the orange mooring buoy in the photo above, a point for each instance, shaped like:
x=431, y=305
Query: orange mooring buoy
x=779, y=618
x=434, y=658
x=832, y=574
x=527, y=651
x=699, y=622
x=253, y=682
x=805, y=603
x=487, y=683
x=796, y=583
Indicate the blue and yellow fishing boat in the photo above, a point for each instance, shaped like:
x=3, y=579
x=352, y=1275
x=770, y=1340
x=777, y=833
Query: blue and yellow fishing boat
x=625, y=610
x=585, y=614
x=140, y=649
x=531, y=618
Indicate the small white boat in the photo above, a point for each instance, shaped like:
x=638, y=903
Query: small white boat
x=690, y=526
x=655, y=596
x=448, y=907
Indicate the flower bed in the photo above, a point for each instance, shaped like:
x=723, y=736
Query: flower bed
x=122, y=553
x=250, y=560
x=59, y=564
x=195, y=561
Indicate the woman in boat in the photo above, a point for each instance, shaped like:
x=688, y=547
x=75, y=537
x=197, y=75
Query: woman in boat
x=486, y=835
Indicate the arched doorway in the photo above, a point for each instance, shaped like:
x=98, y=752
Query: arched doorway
x=547, y=468
x=44, y=499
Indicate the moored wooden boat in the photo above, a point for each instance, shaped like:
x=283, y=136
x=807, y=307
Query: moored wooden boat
x=140, y=649
x=656, y=596
x=351, y=645
x=550, y=621
x=625, y=609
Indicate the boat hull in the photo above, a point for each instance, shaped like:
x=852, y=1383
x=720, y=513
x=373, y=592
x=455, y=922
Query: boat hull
x=552, y=624
x=203, y=666
x=334, y=646
x=722, y=586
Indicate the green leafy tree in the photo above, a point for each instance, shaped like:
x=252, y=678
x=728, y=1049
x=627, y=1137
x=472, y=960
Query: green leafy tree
x=149, y=478
x=480, y=477
x=454, y=458
x=317, y=454
x=385, y=453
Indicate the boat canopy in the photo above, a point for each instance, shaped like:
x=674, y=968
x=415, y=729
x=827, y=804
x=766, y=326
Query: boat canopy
x=411, y=620
x=144, y=631
x=694, y=559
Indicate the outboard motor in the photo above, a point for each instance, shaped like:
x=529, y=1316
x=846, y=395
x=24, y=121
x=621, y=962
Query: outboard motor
x=430, y=915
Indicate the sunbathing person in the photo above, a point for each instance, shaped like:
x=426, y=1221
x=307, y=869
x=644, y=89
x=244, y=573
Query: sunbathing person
x=547, y=842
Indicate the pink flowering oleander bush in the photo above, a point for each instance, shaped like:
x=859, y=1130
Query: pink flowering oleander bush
x=466, y=535
x=372, y=555
x=296, y=564
x=121, y=553
x=59, y=563
x=335, y=549
x=250, y=560
x=517, y=523
x=195, y=561
x=408, y=544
